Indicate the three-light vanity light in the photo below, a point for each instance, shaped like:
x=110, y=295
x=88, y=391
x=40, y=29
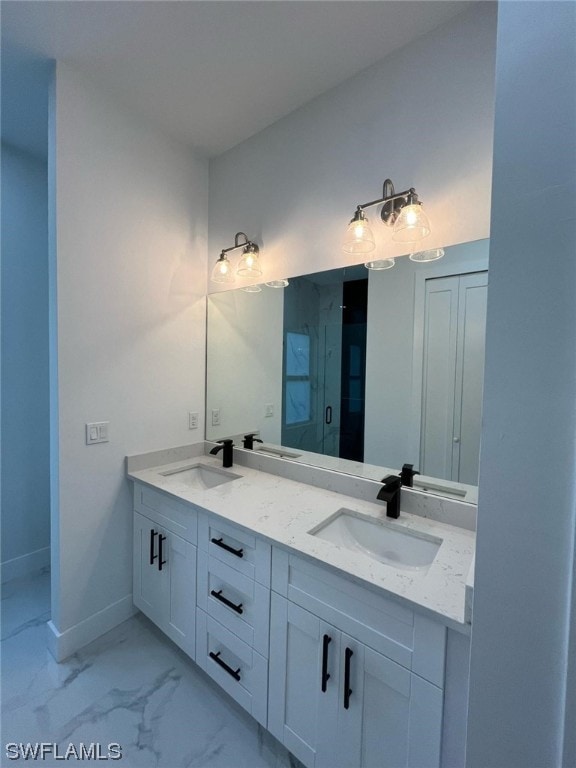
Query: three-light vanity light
x=404, y=213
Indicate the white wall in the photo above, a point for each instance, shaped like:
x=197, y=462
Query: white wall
x=423, y=117
x=525, y=543
x=131, y=213
x=244, y=363
x=25, y=415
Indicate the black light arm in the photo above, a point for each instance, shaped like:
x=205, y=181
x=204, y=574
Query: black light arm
x=393, y=202
x=247, y=244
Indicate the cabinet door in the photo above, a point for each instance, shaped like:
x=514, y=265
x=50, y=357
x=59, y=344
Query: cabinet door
x=398, y=716
x=167, y=594
x=180, y=607
x=150, y=586
x=303, y=682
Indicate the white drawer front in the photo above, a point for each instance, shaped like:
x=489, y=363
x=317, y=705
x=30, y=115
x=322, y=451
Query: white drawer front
x=242, y=551
x=176, y=516
x=237, y=668
x=238, y=602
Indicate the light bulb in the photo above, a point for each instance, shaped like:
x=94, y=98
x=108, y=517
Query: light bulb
x=358, y=237
x=222, y=271
x=249, y=264
x=411, y=225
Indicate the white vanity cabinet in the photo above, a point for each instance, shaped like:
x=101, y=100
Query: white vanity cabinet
x=343, y=687
x=164, y=565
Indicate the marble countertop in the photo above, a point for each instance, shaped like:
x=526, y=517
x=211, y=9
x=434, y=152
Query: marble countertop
x=285, y=511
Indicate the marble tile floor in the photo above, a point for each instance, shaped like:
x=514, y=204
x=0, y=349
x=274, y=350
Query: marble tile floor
x=132, y=686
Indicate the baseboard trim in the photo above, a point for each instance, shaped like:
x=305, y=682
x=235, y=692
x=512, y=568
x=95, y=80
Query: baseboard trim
x=63, y=644
x=25, y=565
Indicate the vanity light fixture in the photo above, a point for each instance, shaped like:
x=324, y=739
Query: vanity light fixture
x=252, y=288
x=402, y=211
x=248, y=266
x=282, y=283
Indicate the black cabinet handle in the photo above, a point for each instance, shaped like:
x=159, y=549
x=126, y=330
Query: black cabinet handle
x=328, y=417
x=325, y=674
x=153, y=534
x=347, y=690
x=233, y=673
x=219, y=596
x=220, y=543
x=161, y=562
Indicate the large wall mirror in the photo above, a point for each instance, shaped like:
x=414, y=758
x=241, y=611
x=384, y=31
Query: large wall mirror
x=358, y=370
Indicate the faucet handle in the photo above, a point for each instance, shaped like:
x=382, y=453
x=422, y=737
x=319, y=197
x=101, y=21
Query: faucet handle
x=392, y=482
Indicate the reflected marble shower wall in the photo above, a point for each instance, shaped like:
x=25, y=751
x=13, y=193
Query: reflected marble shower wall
x=132, y=686
x=311, y=366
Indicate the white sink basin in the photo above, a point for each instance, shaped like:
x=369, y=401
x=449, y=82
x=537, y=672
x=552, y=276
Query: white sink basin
x=199, y=476
x=402, y=548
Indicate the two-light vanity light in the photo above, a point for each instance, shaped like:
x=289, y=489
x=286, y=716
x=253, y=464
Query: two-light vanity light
x=248, y=266
x=403, y=212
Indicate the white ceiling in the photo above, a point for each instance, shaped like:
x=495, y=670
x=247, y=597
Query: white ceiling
x=210, y=73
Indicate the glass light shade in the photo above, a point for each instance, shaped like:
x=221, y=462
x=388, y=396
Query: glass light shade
x=411, y=225
x=222, y=272
x=249, y=264
x=283, y=283
x=380, y=264
x=358, y=237
x=252, y=288
x=431, y=255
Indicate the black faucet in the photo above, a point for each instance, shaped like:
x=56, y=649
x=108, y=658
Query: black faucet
x=407, y=475
x=227, y=456
x=390, y=493
x=249, y=440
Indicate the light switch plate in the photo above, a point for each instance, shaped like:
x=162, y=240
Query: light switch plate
x=269, y=410
x=97, y=432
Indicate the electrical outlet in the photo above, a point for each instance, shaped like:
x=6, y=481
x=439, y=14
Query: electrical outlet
x=97, y=432
x=269, y=410
x=192, y=420
x=215, y=417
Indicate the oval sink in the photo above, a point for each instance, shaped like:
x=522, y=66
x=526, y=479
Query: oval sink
x=199, y=476
x=379, y=541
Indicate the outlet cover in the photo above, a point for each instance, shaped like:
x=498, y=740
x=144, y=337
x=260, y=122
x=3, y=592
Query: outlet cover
x=215, y=417
x=192, y=420
x=269, y=410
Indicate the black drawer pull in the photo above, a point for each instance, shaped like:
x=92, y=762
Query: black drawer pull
x=347, y=690
x=216, y=657
x=220, y=543
x=161, y=562
x=219, y=596
x=153, y=557
x=325, y=673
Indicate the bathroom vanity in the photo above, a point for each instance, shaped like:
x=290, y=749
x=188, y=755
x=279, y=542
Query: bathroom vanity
x=327, y=622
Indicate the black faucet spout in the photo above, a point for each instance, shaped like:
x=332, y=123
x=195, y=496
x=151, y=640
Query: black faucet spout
x=390, y=493
x=226, y=447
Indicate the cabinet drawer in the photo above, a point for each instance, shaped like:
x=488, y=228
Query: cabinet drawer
x=176, y=516
x=237, y=668
x=242, y=551
x=238, y=602
x=384, y=624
